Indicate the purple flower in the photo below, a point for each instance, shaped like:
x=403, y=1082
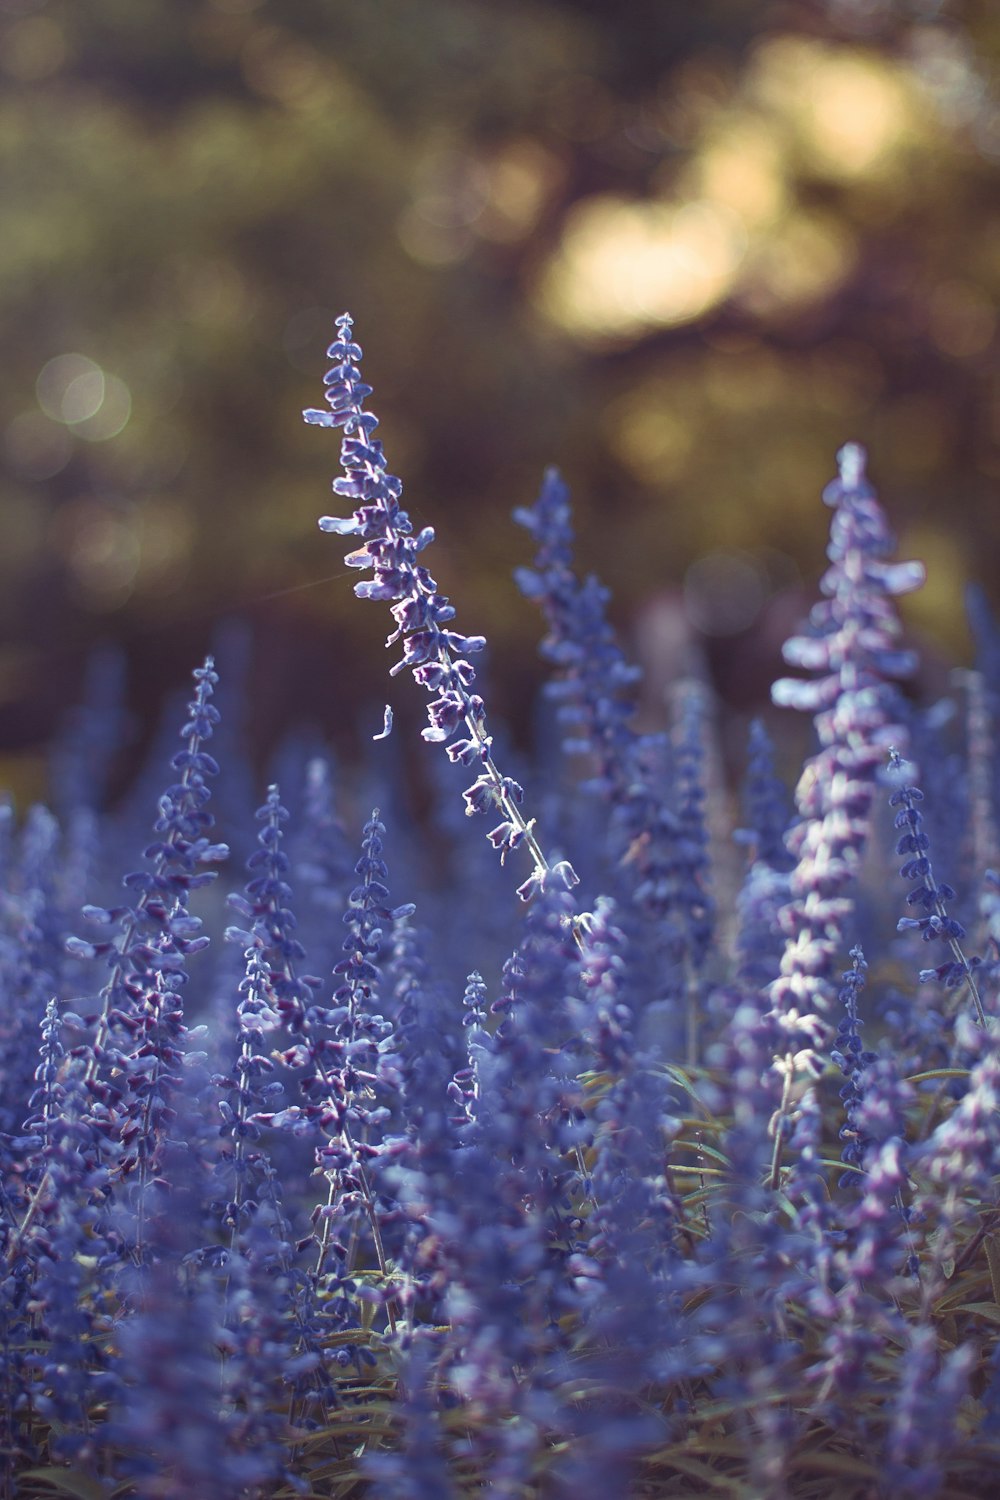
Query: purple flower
x=852, y=641
x=466, y=1085
x=436, y=654
x=654, y=791
x=419, y=1469
x=174, y=1419
x=129, y=1069
x=68, y=1368
x=156, y=931
x=266, y=907
x=596, y=688
x=936, y=925
x=923, y=1415
x=961, y=1158
x=852, y=1060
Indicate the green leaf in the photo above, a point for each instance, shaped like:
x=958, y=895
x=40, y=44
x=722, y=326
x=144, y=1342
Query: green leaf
x=697, y=1468
x=935, y=1073
x=701, y=1149
x=68, y=1483
x=835, y=1463
x=993, y=1261
x=988, y=1310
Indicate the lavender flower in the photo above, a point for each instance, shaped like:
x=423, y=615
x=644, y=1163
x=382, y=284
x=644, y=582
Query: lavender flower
x=266, y=906
x=654, y=791
x=852, y=1060
x=69, y=1368
x=629, y=1273
x=422, y=1024
x=157, y=934
x=419, y=1469
x=265, y=1289
x=936, y=924
x=436, y=655
x=466, y=1085
x=961, y=1158
x=596, y=686
x=547, y=1257
x=924, y=1413
x=179, y=1425
x=30, y=959
x=178, y=856
x=344, y=1057
x=853, y=640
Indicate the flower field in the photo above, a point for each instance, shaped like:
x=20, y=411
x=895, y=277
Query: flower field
x=676, y=1175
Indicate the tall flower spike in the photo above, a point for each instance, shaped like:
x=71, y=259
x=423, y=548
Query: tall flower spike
x=596, y=688
x=436, y=655
x=852, y=640
x=156, y=931
x=852, y=1060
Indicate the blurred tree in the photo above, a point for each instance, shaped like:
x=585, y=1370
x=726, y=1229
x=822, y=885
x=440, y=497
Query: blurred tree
x=682, y=251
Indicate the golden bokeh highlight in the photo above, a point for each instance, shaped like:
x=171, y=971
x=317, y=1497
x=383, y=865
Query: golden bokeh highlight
x=848, y=112
x=735, y=222
x=624, y=268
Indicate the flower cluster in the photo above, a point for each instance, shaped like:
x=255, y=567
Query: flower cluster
x=852, y=639
x=436, y=654
x=935, y=924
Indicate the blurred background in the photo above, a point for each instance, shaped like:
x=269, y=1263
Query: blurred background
x=682, y=251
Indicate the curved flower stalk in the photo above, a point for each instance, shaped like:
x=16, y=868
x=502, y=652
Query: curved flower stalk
x=853, y=640
x=435, y=654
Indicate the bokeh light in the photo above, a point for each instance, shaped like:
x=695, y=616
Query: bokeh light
x=70, y=388
x=684, y=259
x=724, y=592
